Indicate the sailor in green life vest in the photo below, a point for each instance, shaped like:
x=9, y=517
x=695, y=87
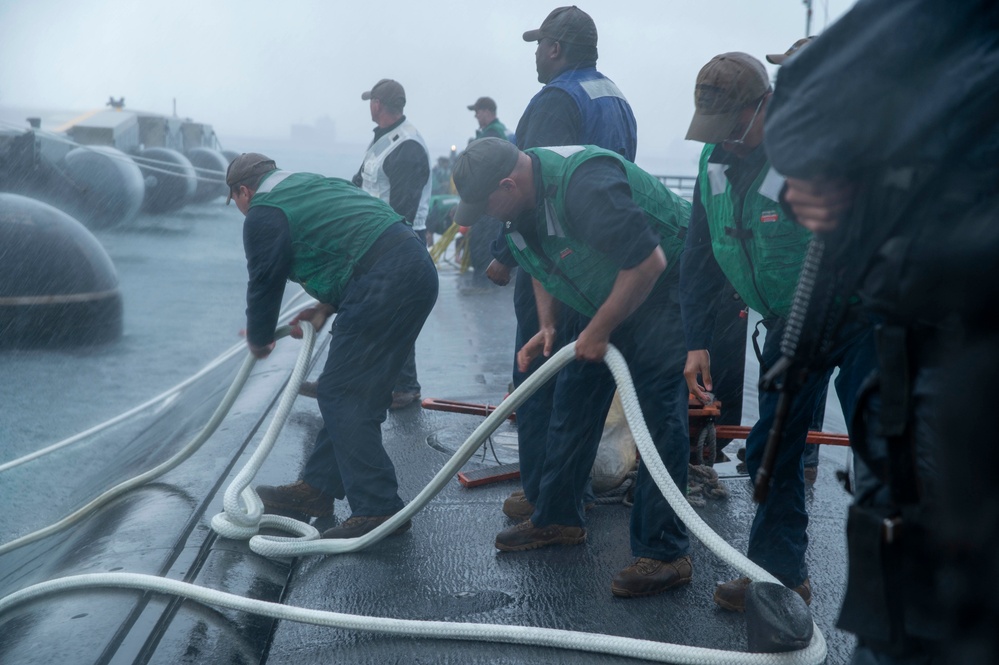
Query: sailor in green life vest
x=739, y=231
x=602, y=237
x=360, y=259
x=485, y=115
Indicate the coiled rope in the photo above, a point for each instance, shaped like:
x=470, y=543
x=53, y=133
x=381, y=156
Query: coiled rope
x=243, y=508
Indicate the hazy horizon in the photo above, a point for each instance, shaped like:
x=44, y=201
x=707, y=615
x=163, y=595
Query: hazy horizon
x=254, y=69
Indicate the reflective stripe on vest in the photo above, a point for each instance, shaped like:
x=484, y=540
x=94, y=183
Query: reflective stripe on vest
x=573, y=272
x=606, y=118
x=332, y=226
x=762, y=249
x=272, y=181
x=375, y=181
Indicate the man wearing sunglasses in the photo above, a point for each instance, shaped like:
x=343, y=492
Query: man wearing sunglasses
x=738, y=230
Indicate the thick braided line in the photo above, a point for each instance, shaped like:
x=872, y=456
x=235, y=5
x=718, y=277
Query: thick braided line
x=271, y=547
x=815, y=652
x=192, y=447
x=243, y=508
x=76, y=438
x=812, y=655
x=650, y=458
x=220, y=413
x=291, y=547
x=527, y=635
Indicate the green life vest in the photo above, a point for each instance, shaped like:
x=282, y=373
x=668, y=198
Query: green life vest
x=758, y=247
x=494, y=128
x=575, y=273
x=333, y=224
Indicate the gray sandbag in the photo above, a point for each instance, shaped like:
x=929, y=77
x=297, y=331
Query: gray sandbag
x=616, y=454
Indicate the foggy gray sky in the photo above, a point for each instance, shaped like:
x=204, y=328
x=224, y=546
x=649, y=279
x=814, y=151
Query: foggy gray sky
x=254, y=68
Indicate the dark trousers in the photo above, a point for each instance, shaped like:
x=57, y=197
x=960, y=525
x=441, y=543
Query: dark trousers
x=407, y=382
x=379, y=319
x=651, y=341
x=728, y=358
x=534, y=414
x=778, y=537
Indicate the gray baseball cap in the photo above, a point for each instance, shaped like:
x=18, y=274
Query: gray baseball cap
x=486, y=103
x=477, y=173
x=388, y=91
x=566, y=24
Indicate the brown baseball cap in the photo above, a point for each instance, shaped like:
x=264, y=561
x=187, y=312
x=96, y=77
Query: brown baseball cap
x=388, y=91
x=486, y=103
x=779, y=58
x=726, y=85
x=477, y=173
x=566, y=24
x=246, y=166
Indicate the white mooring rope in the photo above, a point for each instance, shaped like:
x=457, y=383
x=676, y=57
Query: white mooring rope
x=243, y=517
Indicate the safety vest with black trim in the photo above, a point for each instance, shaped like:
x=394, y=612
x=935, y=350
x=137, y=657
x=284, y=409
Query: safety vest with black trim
x=759, y=248
x=332, y=226
x=375, y=181
x=573, y=272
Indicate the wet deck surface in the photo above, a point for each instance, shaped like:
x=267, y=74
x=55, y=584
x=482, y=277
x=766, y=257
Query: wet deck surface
x=444, y=568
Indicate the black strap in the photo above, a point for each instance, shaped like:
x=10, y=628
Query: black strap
x=756, y=344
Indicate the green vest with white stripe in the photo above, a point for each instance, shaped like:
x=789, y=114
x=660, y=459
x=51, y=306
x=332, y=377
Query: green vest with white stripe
x=760, y=249
x=333, y=224
x=575, y=273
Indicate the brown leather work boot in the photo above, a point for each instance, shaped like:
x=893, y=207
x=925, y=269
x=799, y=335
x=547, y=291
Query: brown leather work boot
x=298, y=500
x=516, y=506
x=732, y=595
x=355, y=527
x=526, y=536
x=647, y=577
x=400, y=400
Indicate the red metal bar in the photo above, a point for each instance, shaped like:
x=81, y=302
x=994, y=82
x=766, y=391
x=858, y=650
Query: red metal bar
x=468, y=408
x=492, y=474
x=697, y=410
x=741, y=432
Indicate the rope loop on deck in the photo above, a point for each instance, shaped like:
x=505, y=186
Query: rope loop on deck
x=243, y=517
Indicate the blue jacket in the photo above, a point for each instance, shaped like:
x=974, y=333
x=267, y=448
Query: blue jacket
x=606, y=119
x=580, y=106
